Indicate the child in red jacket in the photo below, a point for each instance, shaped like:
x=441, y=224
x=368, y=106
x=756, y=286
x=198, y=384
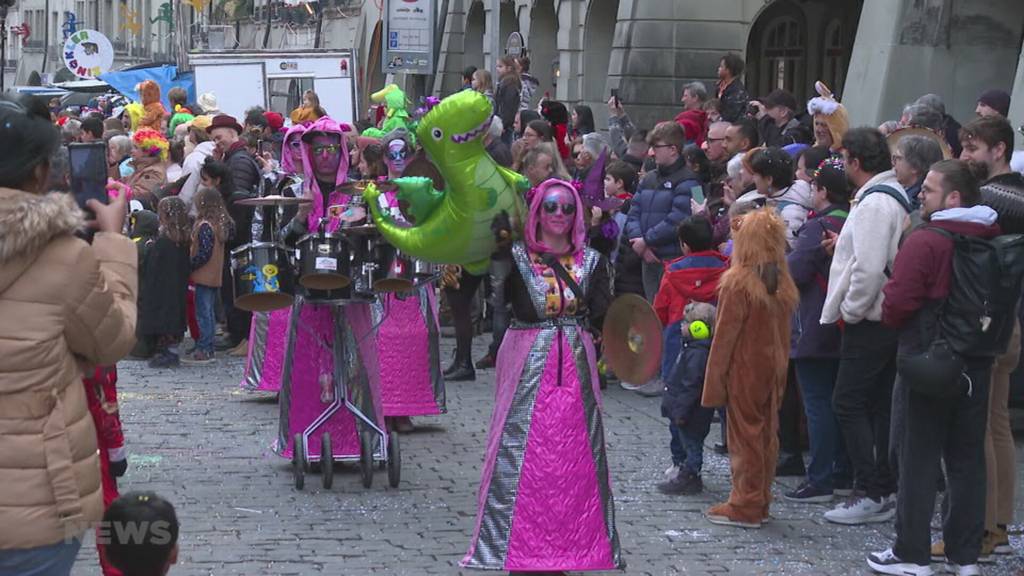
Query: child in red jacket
x=690, y=278
x=101, y=393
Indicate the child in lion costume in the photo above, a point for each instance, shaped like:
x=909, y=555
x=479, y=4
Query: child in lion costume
x=154, y=112
x=747, y=365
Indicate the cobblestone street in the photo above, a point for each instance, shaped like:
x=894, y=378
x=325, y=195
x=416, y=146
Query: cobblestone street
x=198, y=440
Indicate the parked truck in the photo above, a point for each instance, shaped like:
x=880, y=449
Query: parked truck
x=276, y=80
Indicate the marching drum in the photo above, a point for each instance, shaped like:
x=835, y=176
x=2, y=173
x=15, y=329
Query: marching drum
x=263, y=277
x=324, y=262
x=400, y=274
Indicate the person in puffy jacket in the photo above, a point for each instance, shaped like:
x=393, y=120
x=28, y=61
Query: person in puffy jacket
x=689, y=422
x=69, y=306
x=660, y=204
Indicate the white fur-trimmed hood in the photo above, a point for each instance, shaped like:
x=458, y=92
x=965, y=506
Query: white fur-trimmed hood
x=29, y=221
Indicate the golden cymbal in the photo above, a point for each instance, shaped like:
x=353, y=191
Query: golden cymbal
x=632, y=339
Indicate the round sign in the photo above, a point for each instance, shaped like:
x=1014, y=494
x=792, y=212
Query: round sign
x=515, y=44
x=87, y=54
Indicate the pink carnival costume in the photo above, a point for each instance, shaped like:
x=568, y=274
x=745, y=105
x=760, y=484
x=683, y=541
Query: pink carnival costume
x=320, y=334
x=268, y=335
x=408, y=351
x=545, y=500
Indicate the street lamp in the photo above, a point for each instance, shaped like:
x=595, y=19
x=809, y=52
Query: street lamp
x=4, y=6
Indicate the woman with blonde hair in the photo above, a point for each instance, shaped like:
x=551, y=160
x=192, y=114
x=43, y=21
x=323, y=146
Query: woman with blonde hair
x=310, y=111
x=506, y=97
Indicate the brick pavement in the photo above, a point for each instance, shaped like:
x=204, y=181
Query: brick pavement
x=196, y=439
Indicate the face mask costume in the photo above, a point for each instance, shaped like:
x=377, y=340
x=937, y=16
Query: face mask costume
x=312, y=160
x=566, y=219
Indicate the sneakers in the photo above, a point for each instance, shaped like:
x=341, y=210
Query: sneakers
x=998, y=542
x=726, y=515
x=842, y=488
x=965, y=570
x=887, y=563
x=988, y=545
x=198, y=358
x=242, y=350
x=671, y=472
x=652, y=389
x=164, y=359
x=685, y=483
x=808, y=493
x=863, y=510
x=629, y=386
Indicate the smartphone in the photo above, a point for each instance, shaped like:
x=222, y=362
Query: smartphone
x=266, y=147
x=697, y=193
x=615, y=97
x=88, y=167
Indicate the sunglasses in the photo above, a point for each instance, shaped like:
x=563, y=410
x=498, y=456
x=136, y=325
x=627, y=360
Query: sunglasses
x=551, y=207
x=400, y=154
x=326, y=148
x=295, y=143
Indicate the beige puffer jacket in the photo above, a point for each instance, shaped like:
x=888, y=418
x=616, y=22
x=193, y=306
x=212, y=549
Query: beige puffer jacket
x=64, y=306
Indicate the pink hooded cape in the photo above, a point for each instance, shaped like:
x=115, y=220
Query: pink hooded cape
x=287, y=159
x=578, y=231
x=324, y=125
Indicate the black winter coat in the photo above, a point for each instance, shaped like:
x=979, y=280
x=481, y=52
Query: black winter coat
x=163, y=288
x=684, y=389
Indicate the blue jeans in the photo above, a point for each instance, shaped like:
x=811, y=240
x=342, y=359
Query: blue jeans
x=53, y=560
x=205, y=297
x=817, y=380
x=687, y=450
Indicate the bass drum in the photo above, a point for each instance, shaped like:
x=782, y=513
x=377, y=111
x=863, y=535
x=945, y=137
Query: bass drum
x=263, y=277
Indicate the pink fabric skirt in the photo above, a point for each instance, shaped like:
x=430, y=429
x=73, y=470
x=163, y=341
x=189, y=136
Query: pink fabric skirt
x=321, y=334
x=408, y=348
x=545, y=501
x=268, y=337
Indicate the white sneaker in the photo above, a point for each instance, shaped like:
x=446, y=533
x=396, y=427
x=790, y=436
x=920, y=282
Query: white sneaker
x=629, y=386
x=965, y=570
x=671, y=472
x=887, y=563
x=861, y=510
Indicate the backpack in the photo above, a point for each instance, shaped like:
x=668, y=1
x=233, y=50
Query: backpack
x=890, y=192
x=978, y=316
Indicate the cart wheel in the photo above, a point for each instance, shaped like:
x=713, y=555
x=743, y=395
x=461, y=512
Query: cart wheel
x=366, y=459
x=394, y=461
x=326, y=461
x=299, y=462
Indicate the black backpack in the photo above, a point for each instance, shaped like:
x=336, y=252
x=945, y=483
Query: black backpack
x=978, y=316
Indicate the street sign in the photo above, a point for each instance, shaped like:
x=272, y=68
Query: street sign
x=87, y=54
x=515, y=45
x=409, y=30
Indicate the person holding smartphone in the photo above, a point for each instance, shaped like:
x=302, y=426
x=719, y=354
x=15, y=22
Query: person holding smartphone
x=67, y=304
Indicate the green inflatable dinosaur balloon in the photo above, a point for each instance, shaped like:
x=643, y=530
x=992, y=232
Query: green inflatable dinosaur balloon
x=452, y=226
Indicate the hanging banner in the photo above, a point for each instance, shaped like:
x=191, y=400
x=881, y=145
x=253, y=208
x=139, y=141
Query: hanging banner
x=409, y=36
x=87, y=54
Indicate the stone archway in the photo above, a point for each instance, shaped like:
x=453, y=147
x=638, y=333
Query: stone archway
x=542, y=46
x=473, y=54
x=599, y=33
x=508, y=23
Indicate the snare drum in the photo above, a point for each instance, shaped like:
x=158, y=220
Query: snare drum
x=324, y=262
x=263, y=277
x=424, y=269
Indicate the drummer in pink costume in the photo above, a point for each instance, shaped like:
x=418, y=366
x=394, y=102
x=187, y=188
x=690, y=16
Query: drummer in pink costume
x=269, y=332
x=545, y=501
x=408, y=340
x=319, y=331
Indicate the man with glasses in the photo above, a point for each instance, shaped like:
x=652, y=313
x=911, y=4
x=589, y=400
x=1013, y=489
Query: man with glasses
x=662, y=201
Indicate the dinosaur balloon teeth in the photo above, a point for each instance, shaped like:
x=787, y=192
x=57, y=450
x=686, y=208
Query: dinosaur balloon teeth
x=472, y=134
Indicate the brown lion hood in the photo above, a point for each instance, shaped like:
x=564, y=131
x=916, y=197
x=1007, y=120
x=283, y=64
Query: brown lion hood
x=758, y=260
x=28, y=222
